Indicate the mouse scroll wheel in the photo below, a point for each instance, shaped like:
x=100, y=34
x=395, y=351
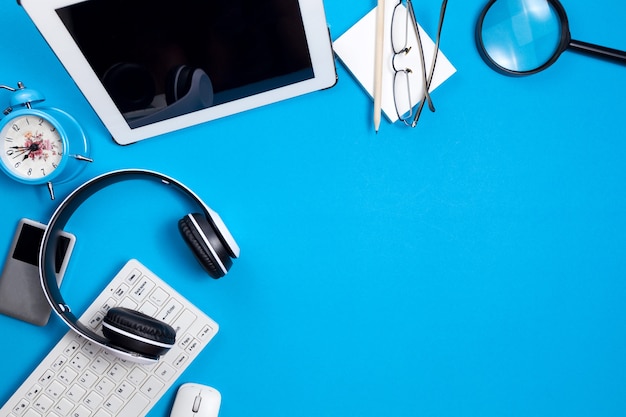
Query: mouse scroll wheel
x=196, y=404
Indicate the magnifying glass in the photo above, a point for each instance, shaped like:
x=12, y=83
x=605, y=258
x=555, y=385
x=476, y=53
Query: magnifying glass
x=523, y=37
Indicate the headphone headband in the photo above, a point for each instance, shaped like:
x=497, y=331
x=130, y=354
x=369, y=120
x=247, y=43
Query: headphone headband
x=61, y=216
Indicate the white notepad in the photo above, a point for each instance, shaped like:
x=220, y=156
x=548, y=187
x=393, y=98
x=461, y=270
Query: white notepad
x=355, y=48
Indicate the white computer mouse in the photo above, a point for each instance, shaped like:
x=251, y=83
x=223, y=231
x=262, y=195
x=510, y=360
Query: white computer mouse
x=195, y=400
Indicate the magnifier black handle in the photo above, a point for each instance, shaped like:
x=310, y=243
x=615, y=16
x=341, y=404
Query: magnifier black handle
x=599, y=51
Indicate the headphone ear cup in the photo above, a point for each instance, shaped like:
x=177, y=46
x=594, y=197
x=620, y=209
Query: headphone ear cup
x=138, y=332
x=178, y=83
x=205, y=244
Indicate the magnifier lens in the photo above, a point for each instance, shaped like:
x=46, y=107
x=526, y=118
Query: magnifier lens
x=521, y=35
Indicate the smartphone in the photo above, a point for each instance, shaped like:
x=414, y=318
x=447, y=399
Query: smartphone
x=21, y=294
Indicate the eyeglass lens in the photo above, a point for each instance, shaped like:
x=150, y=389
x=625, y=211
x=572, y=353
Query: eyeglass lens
x=399, y=44
x=399, y=29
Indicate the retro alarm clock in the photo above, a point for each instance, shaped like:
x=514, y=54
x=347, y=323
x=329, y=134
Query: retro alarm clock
x=42, y=145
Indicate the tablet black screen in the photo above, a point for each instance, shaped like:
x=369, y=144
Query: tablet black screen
x=244, y=46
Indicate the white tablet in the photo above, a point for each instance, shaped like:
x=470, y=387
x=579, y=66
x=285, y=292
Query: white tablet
x=149, y=67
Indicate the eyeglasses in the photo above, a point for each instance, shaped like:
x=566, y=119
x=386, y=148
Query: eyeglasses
x=401, y=19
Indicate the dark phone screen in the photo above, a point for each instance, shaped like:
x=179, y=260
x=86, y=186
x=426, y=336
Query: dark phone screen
x=28, y=243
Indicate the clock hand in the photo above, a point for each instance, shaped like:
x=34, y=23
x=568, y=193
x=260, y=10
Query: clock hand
x=35, y=146
x=24, y=152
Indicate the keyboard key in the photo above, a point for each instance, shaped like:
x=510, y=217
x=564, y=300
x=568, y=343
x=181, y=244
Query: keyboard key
x=113, y=404
x=71, y=347
x=184, y=321
x=104, y=386
x=159, y=296
x=67, y=375
x=136, y=405
x=181, y=360
x=185, y=341
x=133, y=276
x=21, y=407
x=90, y=349
x=55, y=389
x=87, y=379
x=79, y=361
x=81, y=411
x=46, y=377
x=96, y=320
x=142, y=289
x=206, y=333
x=193, y=346
x=152, y=387
x=149, y=309
x=165, y=372
x=32, y=413
x=33, y=392
x=121, y=291
x=128, y=303
x=64, y=406
x=101, y=413
x=75, y=393
x=43, y=403
x=58, y=363
x=109, y=304
x=99, y=365
x=93, y=400
x=124, y=390
x=170, y=311
x=117, y=372
x=136, y=376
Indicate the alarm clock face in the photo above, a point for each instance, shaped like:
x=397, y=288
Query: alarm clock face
x=32, y=147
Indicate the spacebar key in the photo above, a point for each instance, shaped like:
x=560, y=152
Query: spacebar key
x=134, y=406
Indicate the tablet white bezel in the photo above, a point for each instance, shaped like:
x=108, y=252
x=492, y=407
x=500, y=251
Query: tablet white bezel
x=43, y=14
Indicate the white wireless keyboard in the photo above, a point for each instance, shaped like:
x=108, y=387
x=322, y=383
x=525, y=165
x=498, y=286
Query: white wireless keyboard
x=79, y=379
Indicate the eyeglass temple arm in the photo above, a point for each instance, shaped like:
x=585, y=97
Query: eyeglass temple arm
x=598, y=51
x=425, y=81
x=429, y=79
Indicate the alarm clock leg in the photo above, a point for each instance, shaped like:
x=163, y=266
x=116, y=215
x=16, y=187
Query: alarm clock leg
x=51, y=190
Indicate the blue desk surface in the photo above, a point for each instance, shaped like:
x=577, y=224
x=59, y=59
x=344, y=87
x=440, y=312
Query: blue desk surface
x=473, y=266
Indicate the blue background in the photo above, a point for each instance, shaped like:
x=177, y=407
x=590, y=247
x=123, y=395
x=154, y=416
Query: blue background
x=473, y=266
